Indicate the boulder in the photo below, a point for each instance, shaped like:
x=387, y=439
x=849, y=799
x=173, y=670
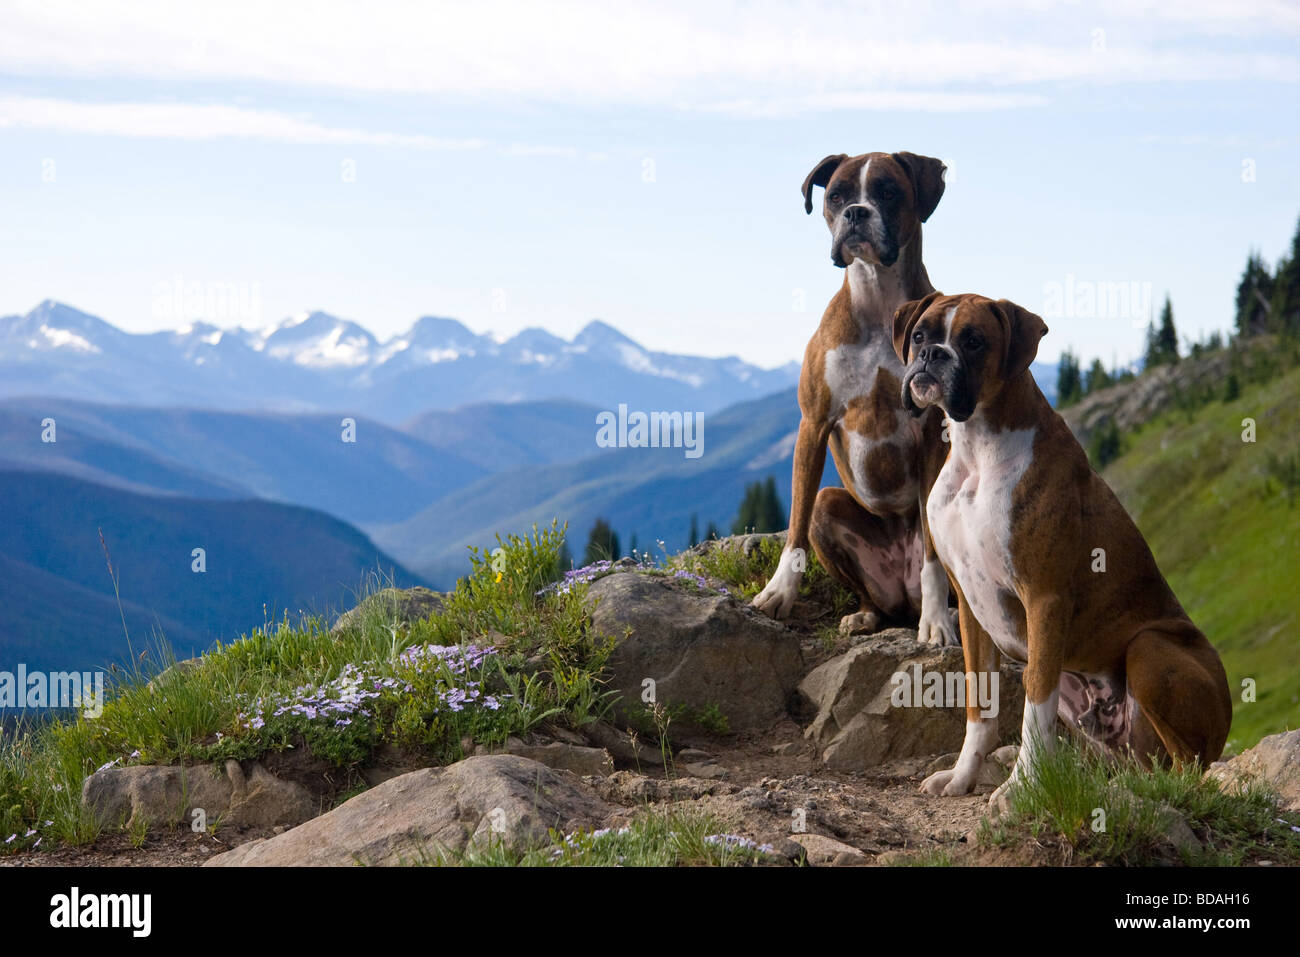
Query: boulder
x=825, y=850
x=420, y=815
x=401, y=605
x=175, y=670
x=700, y=650
x=245, y=795
x=863, y=721
x=621, y=745
x=564, y=757
x=1275, y=761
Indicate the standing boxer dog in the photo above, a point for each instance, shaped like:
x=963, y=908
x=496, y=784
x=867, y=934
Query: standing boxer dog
x=1049, y=568
x=868, y=534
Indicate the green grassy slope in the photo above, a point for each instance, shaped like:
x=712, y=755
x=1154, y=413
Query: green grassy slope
x=1218, y=517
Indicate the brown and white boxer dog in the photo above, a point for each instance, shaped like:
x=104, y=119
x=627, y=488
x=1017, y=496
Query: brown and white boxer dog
x=868, y=534
x=1049, y=569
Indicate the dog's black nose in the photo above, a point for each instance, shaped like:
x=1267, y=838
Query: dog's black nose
x=932, y=354
x=857, y=214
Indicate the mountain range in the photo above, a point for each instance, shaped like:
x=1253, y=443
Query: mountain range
x=58, y=604
x=316, y=362
x=307, y=453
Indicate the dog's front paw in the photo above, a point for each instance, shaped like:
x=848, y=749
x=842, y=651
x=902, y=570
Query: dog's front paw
x=939, y=628
x=777, y=598
x=948, y=783
x=1000, y=799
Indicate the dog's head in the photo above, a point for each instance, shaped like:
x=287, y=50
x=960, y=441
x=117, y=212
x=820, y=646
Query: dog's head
x=961, y=350
x=874, y=203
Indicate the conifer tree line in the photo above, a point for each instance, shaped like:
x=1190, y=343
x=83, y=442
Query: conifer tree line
x=1267, y=302
x=760, y=511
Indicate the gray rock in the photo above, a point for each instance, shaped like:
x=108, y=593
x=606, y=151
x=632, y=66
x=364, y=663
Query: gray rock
x=826, y=850
x=172, y=671
x=700, y=650
x=694, y=755
x=620, y=745
x=709, y=771
x=1130, y=404
x=402, y=606
x=1275, y=762
x=244, y=796
x=857, y=724
x=565, y=757
x=433, y=811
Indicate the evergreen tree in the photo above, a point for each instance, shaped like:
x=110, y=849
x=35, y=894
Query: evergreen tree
x=1167, y=336
x=711, y=532
x=1284, y=311
x=1254, y=292
x=760, y=509
x=772, y=518
x=565, y=560
x=631, y=545
x=602, y=543
x=1151, y=354
x=695, y=530
x=1105, y=445
x=1069, y=385
x=1097, y=378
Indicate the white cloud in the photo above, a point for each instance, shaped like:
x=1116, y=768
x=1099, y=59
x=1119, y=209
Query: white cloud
x=185, y=121
x=764, y=56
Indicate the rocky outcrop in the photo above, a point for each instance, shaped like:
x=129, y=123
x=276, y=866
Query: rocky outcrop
x=699, y=650
x=1275, y=762
x=242, y=795
x=865, y=715
x=420, y=816
x=1130, y=404
x=402, y=606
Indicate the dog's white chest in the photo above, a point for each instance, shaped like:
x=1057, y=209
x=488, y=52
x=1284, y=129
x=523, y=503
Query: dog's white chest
x=851, y=372
x=969, y=511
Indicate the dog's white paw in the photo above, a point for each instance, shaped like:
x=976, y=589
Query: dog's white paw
x=939, y=628
x=1000, y=799
x=948, y=784
x=777, y=598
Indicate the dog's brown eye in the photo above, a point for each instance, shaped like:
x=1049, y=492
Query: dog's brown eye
x=836, y=199
x=918, y=337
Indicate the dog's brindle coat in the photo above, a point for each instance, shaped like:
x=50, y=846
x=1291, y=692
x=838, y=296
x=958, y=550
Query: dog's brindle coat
x=1020, y=520
x=868, y=534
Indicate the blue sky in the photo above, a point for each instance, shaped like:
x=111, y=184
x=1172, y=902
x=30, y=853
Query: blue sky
x=520, y=165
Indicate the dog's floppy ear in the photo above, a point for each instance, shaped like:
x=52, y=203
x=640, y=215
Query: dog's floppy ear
x=1022, y=331
x=926, y=174
x=905, y=317
x=820, y=176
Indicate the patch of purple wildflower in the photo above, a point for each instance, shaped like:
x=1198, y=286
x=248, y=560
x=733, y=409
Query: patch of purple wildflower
x=354, y=693
x=699, y=580
x=737, y=842
x=577, y=576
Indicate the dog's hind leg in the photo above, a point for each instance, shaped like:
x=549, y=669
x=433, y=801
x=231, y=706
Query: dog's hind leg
x=868, y=554
x=1181, y=708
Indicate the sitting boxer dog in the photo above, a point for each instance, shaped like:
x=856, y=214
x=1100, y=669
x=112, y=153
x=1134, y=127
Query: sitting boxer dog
x=868, y=534
x=1049, y=569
